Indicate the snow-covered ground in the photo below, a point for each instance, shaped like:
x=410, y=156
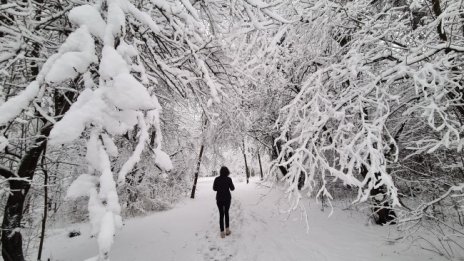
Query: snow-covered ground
x=190, y=231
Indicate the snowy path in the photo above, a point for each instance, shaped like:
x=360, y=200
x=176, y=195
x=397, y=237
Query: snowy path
x=190, y=232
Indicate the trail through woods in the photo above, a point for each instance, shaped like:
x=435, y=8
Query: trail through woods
x=260, y=231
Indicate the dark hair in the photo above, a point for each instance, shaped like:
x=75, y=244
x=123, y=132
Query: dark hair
x=224, y=171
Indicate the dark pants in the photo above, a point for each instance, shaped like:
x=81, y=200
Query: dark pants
x=223, y=207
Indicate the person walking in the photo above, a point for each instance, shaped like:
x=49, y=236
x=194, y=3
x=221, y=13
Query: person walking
x=223, y=185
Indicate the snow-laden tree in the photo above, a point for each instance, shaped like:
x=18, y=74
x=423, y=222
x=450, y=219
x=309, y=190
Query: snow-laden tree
x=27, y=31
x=108, y=109
x=362, y=92
x=375, y=76
x=101, y=58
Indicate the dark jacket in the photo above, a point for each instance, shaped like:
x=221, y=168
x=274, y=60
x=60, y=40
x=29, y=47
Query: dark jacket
x=222, y=184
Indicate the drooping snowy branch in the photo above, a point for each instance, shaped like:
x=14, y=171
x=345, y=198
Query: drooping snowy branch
x=113, y=108
x=10, y=109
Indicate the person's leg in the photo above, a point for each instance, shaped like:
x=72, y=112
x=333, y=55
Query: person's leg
x=226, y=213
x=221, y=214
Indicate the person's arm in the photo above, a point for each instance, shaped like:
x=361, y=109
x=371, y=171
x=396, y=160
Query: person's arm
x=215, y=185
x=231, y=185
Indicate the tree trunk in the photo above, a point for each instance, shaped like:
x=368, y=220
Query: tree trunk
x=45, y=208
x=19, y=187
x=382, y=210
x=260, y=166
x=246, y=164
x=383, y=213
x=301, y=180
x=276, y=148
x=21, y=183
x=196, y=172
x=437, y=11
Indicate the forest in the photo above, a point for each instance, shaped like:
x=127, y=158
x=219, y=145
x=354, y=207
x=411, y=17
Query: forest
x=114, y=109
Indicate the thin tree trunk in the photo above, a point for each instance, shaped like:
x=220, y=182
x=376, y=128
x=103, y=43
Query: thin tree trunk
x=260, y=166
x=196, y=172
x=246, y=164
x=45, y=208
x=44, y=220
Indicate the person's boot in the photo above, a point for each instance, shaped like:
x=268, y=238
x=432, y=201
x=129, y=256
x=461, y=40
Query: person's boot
x=223, y=235
x=227, y=231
